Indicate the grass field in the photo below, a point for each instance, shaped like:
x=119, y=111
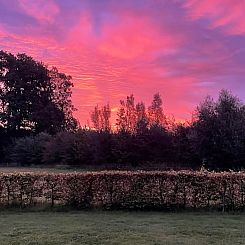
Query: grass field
x=97, y=227
x=39, y=169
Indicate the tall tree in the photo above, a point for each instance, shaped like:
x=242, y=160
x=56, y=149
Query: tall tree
x=100, y=118
x=141, y=118
x=62, y=92
x=32, y=97
x=155, y=111
x=121, y=122
x=219, y=132
x=126, y=116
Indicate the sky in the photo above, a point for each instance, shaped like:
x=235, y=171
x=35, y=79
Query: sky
x=183, y=49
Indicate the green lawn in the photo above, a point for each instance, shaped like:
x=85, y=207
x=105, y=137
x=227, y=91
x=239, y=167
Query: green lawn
x=97, y=227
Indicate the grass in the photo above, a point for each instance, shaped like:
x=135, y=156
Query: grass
x=51, y=169
x=98, y=227
x=121, y=227
x=55, y=169
x=84, y=168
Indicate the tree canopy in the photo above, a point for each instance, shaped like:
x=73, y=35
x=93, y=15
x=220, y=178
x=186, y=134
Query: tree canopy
x=32, y=97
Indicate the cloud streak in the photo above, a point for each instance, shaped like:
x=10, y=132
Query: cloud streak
x=183, y=49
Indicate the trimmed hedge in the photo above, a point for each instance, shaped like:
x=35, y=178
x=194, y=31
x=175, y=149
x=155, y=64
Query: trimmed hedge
x=131, y=190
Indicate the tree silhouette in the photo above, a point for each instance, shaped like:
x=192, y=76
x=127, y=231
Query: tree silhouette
x=142, y=120
x=126, y=116
x=219, y=131
x=155, y=111
x=100, y=118
x=32, y=98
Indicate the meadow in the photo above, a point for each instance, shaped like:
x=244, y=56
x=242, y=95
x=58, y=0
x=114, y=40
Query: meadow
x=117, y=227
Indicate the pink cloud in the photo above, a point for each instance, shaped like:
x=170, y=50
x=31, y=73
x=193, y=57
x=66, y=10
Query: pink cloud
x=132, y=37
x=42, y=10
x=112, y=50
x=228, y=14
x=128, y=38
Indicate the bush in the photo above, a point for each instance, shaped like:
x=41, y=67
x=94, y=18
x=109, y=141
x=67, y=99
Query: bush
x=169, y=190
x=68, y=148
x=29, y=150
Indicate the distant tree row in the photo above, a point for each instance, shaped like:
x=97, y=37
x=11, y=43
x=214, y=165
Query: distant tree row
x=131, y=117
x=215, y=138
x=37, y=126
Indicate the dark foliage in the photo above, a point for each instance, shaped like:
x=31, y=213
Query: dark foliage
x=215, y=139
x=32, y=97
x=218, y=132
x=37, y=126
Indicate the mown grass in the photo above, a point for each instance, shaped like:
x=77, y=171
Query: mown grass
x=111, y=227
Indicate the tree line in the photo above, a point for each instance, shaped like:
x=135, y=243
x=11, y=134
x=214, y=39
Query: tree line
x=214, y=138
x=37, y=126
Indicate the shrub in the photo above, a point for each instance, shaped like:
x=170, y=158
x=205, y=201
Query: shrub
x=29, y=150
x=131, y=190
x=68, y=148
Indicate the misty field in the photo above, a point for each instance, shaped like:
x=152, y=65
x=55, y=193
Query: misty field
x=97, y=227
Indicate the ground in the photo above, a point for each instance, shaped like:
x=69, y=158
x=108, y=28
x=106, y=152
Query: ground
x=56, y=169
x=117, y=227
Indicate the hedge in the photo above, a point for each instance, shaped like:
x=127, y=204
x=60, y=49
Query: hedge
x=131, y=190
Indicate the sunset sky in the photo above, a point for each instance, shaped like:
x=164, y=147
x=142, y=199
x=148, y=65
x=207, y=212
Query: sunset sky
x=184, y=49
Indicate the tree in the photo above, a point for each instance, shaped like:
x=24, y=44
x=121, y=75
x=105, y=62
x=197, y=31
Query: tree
x=142, y=120
x=160, y=145
x=155, y=111
x=72, y=148
x=62, y=85
x=100, y=118
x=121, y=122
x=32, y=98
x=184, y=153
x=125, y=149
x=126, y=116
x=95, y=117
x=4, y=140
x=29, y=150
x=219, y=132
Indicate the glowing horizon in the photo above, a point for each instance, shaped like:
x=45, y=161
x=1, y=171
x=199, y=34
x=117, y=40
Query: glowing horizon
x=183, y=49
